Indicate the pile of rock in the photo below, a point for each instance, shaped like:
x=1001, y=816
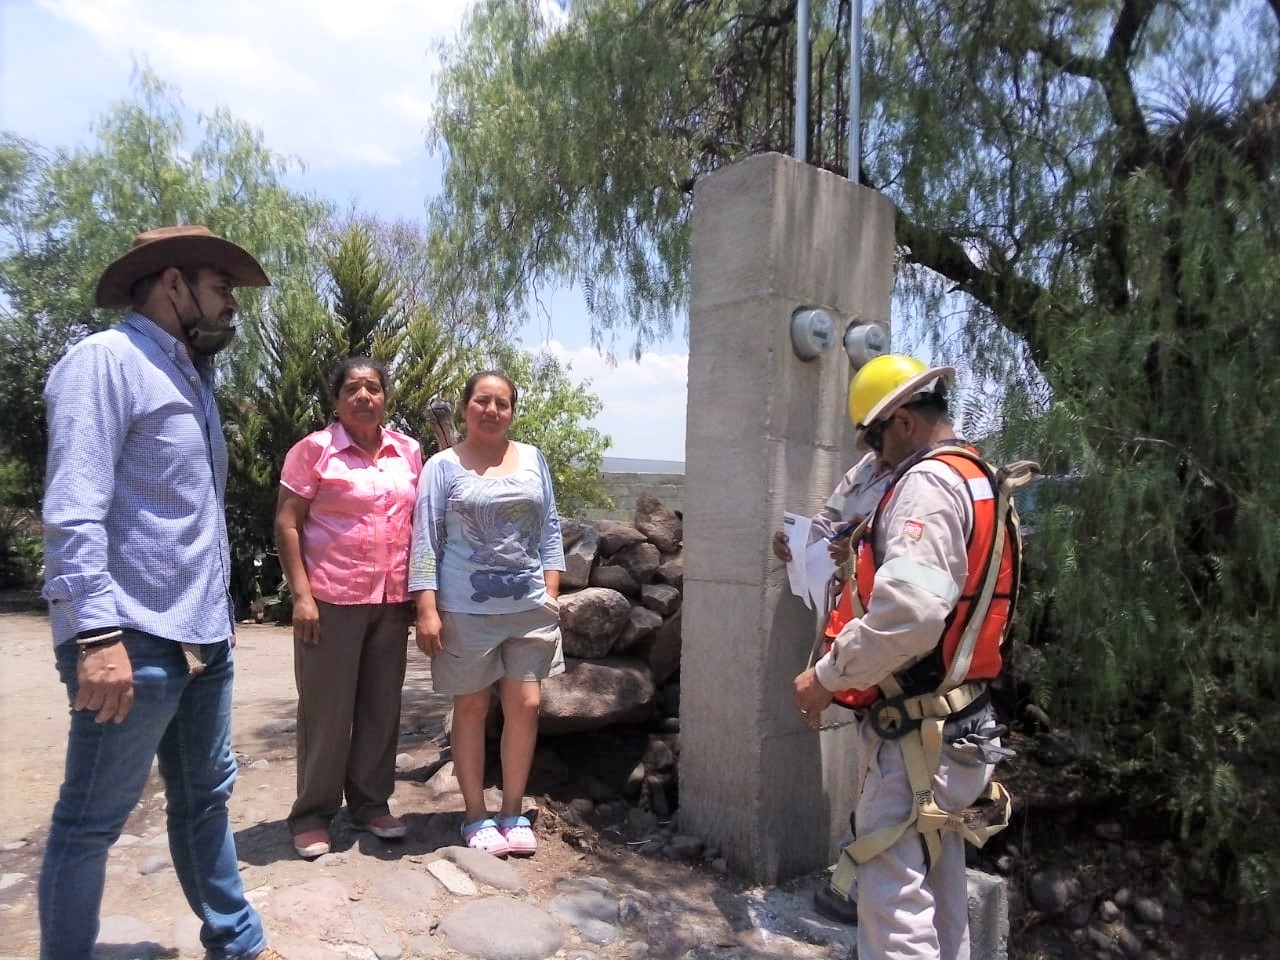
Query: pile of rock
x=620, y=616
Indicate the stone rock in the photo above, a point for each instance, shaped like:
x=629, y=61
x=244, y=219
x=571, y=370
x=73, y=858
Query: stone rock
x=593, y=617
x=662, y=598
x=571, y=531
x=672, y=571
x=454, y=880
x=374, y=934
x=641, y=560
x=486, y=868
x=1077, y=916
x=662, y=650
x=319, y=909
x=588, y=884
x=595, y=931
x=127, y=938
x=405, y=761
x=500, y=928
x=579, y=559
x=659, y=523
x=591, y=911
x=615, y=535
x=614, y=577
x=629, y=912
x=1148, y=910
x=659, y=754
x=596, y=693
x=572, y=908
x=656, y=785
x=405, y=887
x=685, y=847
x=1129, y=942
x=642, y=623
x=1100, y=940
x=260, y=765
x=154, y=865
x=1053, y=890
x=425, y=945
x=583, y=903
x=1108, y=912
x=443, y=782
x=8, y=880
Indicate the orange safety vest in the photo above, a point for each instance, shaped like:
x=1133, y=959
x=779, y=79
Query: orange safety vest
x=924, y=677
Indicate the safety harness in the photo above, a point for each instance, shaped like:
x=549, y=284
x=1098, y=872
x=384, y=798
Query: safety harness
x=966, y=658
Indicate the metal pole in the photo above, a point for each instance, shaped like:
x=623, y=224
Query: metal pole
x=802, y=81
x=855, y=89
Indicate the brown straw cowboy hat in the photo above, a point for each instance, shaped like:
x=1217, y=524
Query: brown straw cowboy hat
x=181, y=246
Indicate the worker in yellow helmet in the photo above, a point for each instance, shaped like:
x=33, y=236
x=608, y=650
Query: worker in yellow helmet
x=925, y=616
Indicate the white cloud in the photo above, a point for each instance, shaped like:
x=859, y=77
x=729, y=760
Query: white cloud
x=333, y=82
x=644, y=401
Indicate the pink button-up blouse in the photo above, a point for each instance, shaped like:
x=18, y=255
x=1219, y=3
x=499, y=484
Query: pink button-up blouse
x=355, y=540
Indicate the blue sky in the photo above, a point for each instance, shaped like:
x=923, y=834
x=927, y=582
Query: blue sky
x=347, y=88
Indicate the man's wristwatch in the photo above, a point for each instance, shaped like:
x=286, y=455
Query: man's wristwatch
x=89, y=640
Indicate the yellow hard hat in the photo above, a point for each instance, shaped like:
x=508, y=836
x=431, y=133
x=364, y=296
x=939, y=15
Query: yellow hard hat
x=887, y=382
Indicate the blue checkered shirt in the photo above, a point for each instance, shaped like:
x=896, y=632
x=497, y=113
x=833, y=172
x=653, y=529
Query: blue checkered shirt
x=135, y=531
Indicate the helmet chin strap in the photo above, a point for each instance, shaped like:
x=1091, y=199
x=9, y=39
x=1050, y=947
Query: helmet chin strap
x=206, y=338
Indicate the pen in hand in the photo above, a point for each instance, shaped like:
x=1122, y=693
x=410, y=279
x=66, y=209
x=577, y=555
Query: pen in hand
x=851, y=527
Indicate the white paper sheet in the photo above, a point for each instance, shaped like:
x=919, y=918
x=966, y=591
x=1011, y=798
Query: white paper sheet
x=796, y=528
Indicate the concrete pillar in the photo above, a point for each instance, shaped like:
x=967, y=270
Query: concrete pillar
x=766, y=432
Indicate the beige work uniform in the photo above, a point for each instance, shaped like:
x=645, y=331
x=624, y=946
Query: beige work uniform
x=919, y=540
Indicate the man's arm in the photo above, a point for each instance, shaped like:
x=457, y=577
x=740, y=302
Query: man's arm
x=89, y=414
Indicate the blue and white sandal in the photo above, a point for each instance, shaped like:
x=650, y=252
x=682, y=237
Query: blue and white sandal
x=484, y=835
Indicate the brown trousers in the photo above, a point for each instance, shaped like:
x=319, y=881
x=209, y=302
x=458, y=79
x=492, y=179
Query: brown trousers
x=349, y=712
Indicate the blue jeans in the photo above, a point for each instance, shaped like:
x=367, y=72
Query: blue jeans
x=186, y=722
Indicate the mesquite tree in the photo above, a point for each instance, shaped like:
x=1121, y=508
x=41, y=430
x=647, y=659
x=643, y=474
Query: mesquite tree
x=1088, y=216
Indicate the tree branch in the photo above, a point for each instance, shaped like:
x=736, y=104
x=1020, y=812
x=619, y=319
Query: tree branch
x=1110, y=72
x=1011, y=298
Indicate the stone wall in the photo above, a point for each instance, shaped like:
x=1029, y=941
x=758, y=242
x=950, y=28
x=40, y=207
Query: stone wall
x=620, y=615
x=625, y=490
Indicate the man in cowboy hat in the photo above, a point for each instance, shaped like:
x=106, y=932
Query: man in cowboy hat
x=934, y=585
x=137, y=564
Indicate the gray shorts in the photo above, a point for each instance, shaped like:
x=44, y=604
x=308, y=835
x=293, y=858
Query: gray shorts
x=481, y=648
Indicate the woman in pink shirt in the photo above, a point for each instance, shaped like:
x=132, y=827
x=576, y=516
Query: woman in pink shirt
x=343, y=525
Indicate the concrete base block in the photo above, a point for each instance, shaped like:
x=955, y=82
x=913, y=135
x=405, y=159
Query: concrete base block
x=988, y=916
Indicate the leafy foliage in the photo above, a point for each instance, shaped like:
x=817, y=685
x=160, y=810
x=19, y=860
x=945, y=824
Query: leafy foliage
x=68, y=214
x=339, y=287
x=550, y=412
x=1087, y=216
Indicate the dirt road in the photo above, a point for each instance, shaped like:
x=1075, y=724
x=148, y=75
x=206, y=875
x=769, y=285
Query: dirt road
x=385, y=897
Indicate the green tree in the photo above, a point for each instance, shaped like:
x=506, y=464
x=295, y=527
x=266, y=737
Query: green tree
x=433, y=334
x=66, y=214
x=549, y=415
x=1090, y=189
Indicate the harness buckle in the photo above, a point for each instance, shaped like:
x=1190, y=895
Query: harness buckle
x=889, y=719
